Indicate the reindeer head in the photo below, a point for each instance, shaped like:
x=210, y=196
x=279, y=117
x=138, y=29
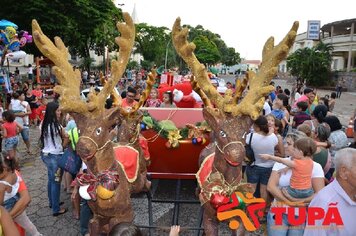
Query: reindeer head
x=232, y=118
x=129, y=128
x=93, y=121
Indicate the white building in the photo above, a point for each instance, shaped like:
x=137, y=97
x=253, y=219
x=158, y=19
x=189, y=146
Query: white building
x=341, y=35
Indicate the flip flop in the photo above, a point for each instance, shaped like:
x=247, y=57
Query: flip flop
x=62, y=211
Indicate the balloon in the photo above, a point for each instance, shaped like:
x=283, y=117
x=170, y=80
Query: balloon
x=16, y=55
x=194, y=141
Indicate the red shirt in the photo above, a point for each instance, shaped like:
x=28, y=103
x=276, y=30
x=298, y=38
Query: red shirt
x=41, y=112
x=125, y=104
x=37, y=93
x=22, y=185
x=10, y=129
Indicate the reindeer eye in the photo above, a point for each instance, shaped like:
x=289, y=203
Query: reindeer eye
x=98, y=131
x=222, y=134
x=78, y=130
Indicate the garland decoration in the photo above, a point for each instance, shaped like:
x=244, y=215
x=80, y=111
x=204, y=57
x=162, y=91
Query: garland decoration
x=168, y=130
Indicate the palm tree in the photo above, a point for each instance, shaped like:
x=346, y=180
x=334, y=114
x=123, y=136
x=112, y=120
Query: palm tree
x=311, y=64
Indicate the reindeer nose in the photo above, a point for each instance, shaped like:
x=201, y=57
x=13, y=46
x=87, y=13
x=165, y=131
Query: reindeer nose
x=85, y=149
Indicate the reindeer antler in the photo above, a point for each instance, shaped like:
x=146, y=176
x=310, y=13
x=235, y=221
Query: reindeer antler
x=69, y=80
x=252, y=103
x=240, y=88
x=200, y=92
x=186, y=51
x=116, y=97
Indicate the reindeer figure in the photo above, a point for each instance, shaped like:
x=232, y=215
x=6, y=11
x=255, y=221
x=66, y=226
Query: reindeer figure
x=106, y=181
x=129, y=138
x=220, y=168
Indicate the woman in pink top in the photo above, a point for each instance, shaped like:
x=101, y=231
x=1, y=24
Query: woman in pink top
x=302, y=166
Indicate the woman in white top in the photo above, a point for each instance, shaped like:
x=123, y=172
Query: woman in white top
x=262, y=142
x=52, y=136
x=280, y=178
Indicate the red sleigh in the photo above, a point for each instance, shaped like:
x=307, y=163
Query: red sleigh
x=173, y=163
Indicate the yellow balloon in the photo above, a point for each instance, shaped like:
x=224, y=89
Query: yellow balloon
x=104, y=193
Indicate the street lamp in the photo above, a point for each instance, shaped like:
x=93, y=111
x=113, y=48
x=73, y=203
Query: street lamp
x=165, y=61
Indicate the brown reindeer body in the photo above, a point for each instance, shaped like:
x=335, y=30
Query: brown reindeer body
x=129, y=135
x=96, y=150
x=106, y=182
x=228, y=153
x=220, y=164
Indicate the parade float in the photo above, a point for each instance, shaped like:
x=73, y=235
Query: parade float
x=182, y=143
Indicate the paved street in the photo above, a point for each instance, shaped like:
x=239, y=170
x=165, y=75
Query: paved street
x=35, y=175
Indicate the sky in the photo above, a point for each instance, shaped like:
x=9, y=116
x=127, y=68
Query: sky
x=243, y=25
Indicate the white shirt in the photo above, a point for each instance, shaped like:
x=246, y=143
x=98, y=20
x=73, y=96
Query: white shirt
x=49, y=146
x=267, y=108
x=334, y=193
x=262, y=144
x=16, y=106
x=297, y=96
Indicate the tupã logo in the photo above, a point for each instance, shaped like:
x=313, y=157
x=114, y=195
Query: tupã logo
x=234, y=209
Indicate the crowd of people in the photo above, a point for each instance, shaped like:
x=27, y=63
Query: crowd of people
x=300, y=148
x=301, y=151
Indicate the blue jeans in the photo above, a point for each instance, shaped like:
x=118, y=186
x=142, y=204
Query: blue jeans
x=285, y=229
x=54, y=179
x=258, y=174
x=300, y=193
x=10, y=203
x=85, y=216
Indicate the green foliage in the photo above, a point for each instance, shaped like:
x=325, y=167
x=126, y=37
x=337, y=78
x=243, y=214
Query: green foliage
x=132, y=65
x=152, y=42
x=311, y=64
x=82, y=24
x=206, y=51
x=228, y=56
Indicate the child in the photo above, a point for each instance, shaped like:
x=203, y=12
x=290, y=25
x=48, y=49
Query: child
x=277, y=109
x=301, y=115
x=153, y=101
x=168, y=100
x=42, y=109
x=10, y=129
x=9, y=186
x=302, y=166
x=275, y=127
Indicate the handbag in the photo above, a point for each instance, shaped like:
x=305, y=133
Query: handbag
x=70, y=161
x=250, y=155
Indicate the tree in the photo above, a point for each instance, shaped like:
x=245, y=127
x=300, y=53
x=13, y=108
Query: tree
x=82, y=24
x=152, y=42
x=311, y=64
x=206, y=51
x=228, y=55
